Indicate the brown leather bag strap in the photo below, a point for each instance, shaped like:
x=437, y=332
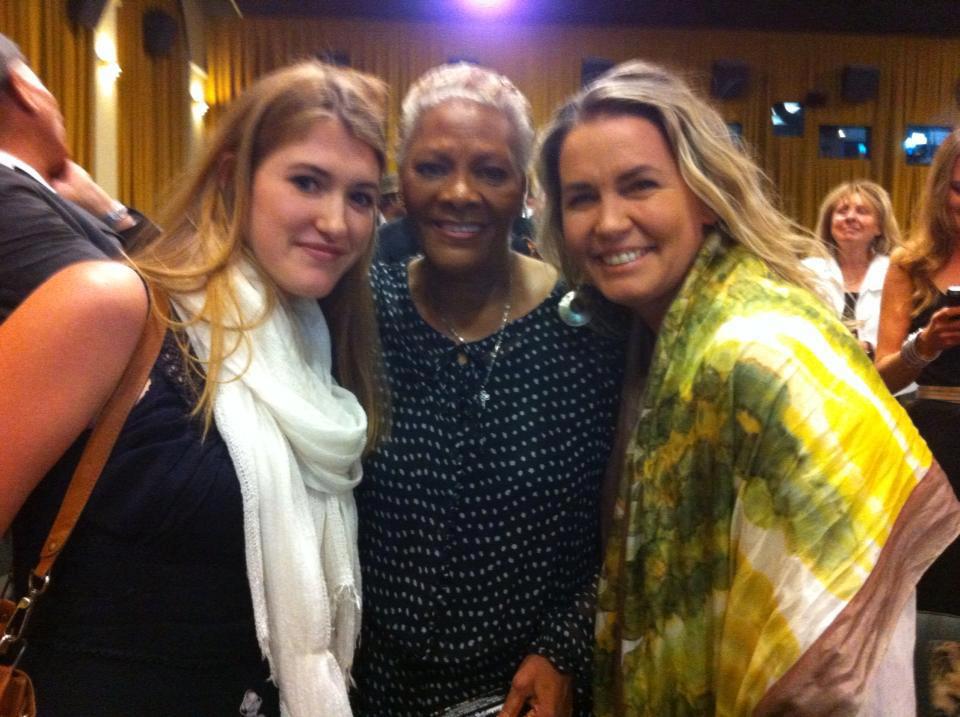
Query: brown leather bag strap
x=102, y=438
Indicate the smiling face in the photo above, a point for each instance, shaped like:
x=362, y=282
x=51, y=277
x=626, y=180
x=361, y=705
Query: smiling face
x=854, y=222
x=461, y=184
x=313, y=206
x=629, y=219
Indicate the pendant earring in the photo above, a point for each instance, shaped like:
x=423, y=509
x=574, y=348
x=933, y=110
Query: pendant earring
x=572, y=310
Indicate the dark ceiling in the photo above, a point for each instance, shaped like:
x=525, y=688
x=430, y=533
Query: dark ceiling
x=915, y=17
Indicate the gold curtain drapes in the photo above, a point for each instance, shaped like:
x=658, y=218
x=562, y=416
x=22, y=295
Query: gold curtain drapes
x=62, y=56
x=153, y=111
x=917, y=80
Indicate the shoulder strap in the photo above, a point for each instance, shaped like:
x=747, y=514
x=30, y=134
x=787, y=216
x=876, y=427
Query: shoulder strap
x=103, y=438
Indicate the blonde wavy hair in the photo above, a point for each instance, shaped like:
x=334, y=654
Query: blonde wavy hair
x=718, y=171
x=935, y=233
x=878, y=199
x=206, y=224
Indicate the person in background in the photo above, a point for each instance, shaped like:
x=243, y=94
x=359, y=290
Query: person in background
x=219, y=546
x=479, y=512
x=857, y=226
x=920, y=341
x=396, y=236
x=53, y=213
x=526, y=225
x=391, y=201
x=765, y=546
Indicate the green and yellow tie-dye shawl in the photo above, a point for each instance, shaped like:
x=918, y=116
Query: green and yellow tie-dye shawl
x=776, y=509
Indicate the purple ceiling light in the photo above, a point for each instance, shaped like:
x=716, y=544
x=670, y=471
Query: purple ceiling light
x=487, y=8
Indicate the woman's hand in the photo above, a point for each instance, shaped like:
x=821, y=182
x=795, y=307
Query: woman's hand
x=538, y=684
x=941, y=332
x=895, y=320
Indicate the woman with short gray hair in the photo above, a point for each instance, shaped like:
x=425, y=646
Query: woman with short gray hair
x=478, y=514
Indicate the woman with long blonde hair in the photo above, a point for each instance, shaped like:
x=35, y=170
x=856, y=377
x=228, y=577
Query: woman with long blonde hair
x=920, y=341
x=219, y=547
x=749, y=569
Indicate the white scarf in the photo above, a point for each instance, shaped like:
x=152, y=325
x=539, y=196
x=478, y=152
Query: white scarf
x=295, y=438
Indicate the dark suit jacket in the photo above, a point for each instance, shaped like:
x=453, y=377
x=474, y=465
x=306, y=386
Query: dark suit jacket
x=41, y=233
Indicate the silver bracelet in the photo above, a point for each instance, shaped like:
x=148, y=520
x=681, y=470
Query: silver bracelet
x=911, y=354
x=117, y=214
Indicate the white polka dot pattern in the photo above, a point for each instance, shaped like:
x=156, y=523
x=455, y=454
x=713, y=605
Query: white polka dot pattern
x=479, y=526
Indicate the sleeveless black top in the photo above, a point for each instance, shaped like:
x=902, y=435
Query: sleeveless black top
x=937, y=421
x=945, y=371
x=148, y=611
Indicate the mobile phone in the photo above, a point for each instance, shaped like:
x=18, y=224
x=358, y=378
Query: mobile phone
x=953, y=296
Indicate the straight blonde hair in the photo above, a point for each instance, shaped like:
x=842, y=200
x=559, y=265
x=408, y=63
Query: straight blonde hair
x=207, y=221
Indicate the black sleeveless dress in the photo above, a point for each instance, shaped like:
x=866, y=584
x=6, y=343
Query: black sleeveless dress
x=148, y=611
x=939, y=424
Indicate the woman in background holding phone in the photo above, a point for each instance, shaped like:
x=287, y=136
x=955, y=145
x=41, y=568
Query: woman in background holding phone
x=919, y=339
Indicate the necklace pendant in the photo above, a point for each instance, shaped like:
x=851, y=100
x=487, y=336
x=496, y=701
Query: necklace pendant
x=484, y=397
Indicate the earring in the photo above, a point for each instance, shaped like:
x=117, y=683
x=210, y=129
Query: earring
x=573, y=310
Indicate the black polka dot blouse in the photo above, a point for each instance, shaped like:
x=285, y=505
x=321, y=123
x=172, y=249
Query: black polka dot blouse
x=479, y=523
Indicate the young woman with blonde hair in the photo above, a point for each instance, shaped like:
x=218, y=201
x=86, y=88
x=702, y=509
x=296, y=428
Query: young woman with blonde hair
x=219, y=547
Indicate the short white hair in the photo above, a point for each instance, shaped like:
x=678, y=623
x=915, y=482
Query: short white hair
x=464, y=81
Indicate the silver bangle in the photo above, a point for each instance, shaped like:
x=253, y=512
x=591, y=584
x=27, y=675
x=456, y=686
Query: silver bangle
x=911, y=354
x=116, y=215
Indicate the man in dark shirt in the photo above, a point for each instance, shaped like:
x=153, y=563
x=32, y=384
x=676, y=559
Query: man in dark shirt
x=52, y=213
